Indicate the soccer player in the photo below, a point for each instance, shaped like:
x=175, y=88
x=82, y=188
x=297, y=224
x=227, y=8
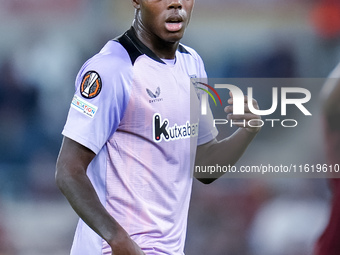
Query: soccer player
x=328, y=243
x=130, y=140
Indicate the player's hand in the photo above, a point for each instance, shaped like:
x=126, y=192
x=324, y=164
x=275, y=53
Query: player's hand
x=126, y=247
x=247, y=116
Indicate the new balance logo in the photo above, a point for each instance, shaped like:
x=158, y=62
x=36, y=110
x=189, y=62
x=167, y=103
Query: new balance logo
x=161, y=131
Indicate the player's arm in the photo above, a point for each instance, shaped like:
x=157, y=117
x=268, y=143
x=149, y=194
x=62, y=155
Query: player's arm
x=72, y=180
x=229, y=150
x=330, y=94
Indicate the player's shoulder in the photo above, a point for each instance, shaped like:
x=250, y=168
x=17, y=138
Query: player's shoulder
x=111, y=66
x=184, y=49
x=192, y=60
x=111, y=57
x=190, y=56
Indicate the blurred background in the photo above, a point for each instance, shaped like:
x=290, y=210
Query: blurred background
x=42, y=47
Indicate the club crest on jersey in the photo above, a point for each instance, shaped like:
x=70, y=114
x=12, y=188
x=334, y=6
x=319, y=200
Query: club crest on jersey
x=161, y=131
x=91, y=85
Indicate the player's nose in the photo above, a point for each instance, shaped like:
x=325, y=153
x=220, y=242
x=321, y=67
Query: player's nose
x=175, y=4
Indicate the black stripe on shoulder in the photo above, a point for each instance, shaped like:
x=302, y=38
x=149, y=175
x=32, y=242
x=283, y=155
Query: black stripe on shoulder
x=135, y=47
x=182, y=49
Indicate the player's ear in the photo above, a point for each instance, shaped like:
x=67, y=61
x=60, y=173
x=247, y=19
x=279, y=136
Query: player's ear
x=136, y=4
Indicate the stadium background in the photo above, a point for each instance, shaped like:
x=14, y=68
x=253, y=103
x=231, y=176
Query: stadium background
x=43, y=43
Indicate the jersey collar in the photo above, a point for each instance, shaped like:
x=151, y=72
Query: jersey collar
x=136, y=48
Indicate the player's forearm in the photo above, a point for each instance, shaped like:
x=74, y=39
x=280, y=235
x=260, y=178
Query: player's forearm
x=330, y=96
x=80, y=193
x=225, y=152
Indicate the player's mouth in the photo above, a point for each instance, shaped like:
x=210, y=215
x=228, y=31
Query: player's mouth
x=174, y=23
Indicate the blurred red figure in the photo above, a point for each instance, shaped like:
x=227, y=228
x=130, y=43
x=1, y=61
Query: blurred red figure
x=329, y=241
x=325, y=18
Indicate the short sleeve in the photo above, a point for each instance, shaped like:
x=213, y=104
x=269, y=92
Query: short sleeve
x=207, y=130
x=100, y=99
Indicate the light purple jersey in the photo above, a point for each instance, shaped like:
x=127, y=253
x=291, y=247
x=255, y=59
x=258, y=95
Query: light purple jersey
x=142, y=119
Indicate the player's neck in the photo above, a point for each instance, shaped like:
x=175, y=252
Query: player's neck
x=162, y=49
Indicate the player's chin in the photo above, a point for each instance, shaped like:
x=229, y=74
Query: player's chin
x=173, y=36
x=175, y=39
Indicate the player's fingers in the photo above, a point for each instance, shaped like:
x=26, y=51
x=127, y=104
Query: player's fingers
x=246, y=100
x=255, y=104
x=246, y=116
x=229, y=108
x=231, y=100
